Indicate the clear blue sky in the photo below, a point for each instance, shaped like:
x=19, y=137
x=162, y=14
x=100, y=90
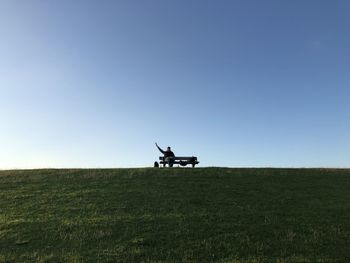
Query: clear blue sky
x=236, y=83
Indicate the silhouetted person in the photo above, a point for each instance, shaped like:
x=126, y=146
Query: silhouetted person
x=169, y=156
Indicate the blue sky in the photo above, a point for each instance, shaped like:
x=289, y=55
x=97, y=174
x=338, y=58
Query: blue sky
x=236, y=83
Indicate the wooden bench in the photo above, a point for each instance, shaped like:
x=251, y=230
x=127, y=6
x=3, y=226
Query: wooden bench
x=183, y=161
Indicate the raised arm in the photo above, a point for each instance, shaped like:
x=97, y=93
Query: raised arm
x=159, y=148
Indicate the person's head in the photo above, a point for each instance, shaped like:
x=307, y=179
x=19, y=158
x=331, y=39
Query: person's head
x=168, y=149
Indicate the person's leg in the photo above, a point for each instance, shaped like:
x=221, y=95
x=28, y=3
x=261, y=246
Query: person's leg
x=169, y=161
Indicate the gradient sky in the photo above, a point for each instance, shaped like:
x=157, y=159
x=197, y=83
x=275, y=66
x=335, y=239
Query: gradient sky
x=236, y=83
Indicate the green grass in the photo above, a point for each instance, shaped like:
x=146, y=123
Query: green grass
x=175, y=215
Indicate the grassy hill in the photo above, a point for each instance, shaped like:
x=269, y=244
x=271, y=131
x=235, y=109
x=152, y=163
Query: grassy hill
x=175, y=215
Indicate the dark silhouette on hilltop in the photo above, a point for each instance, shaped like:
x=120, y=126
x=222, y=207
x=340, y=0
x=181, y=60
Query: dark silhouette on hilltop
x=169, y=156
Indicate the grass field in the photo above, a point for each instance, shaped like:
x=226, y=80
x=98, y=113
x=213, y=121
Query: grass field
x=175, y=215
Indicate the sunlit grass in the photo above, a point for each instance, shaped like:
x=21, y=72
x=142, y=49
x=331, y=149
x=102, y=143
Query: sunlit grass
x=175, y=215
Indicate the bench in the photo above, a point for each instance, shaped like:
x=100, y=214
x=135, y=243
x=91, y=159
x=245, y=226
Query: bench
x=183, y=161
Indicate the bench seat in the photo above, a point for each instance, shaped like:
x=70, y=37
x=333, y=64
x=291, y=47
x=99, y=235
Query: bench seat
x=183, y=161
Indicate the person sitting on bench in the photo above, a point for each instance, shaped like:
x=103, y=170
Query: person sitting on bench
x=169, y=156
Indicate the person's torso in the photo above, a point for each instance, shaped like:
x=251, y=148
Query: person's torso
x=169, y=154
